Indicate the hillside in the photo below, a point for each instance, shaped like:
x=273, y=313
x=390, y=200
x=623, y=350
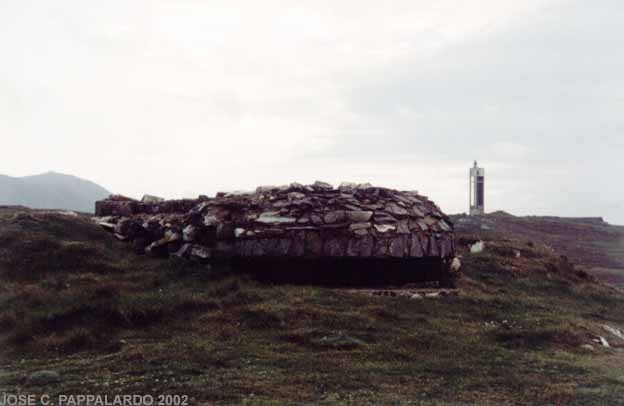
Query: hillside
x=520, y=330
x=51, y=191
x=592, y=242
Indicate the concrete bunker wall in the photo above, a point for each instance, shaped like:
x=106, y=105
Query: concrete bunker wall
x=353, y=235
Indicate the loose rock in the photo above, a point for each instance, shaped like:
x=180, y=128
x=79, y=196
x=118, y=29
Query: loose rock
x=477, y=247
x=152, y=199
x=614, y=331
x=455, y=265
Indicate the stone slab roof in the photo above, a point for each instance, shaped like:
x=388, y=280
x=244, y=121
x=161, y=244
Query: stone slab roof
x=297, y=220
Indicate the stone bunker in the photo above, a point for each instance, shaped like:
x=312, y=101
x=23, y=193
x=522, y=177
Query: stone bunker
x=353, y=235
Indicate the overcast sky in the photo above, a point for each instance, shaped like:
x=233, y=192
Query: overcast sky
x=183, y=97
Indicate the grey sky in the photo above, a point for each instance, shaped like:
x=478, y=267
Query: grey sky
x=185, y=97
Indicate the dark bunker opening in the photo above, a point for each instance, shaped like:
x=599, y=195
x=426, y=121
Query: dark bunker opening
x=345, y=272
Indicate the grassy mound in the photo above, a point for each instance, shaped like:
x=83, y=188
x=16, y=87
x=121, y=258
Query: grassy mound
x=77, y=302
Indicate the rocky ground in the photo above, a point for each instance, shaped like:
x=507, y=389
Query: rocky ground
x=81, y=313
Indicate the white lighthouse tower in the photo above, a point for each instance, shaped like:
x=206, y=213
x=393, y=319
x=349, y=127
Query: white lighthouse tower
x=476, y=192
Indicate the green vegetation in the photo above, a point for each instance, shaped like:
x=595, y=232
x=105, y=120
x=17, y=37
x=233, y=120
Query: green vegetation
x=74, y=301
x=589, y=241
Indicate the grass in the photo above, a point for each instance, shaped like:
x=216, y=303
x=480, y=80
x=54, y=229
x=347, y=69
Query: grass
x=111, y=322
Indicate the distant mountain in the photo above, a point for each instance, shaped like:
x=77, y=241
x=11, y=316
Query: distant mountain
x=51, y=190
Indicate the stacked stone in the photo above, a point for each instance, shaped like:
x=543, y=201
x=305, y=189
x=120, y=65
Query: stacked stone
x=118, y=205
x=295, y=221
